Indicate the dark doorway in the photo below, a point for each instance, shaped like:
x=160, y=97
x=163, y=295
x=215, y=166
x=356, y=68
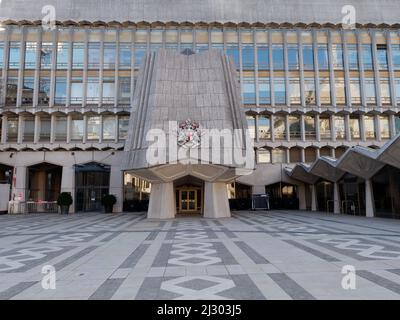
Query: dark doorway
x=44, y=182
x=92, y=182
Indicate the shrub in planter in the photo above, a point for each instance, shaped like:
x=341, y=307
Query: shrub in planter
x=108, y=202
x=64, y=201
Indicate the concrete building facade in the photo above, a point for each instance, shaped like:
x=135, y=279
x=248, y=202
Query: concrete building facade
x=309, y=88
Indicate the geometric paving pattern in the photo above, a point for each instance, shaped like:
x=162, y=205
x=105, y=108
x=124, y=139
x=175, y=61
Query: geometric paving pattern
x=253, y=255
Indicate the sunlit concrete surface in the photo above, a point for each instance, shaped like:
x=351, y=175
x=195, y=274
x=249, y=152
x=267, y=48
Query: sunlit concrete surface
x=253, y=255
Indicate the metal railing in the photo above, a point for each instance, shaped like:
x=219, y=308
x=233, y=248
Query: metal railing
x=41, y=207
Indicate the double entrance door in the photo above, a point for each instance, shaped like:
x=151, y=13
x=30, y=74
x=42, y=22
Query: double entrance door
x=189, y=200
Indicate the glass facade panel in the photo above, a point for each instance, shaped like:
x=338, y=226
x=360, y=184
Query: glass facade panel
x=62, y=55
x=325, y=127
x=294, y=127
x=125, y=55
x=309, y=91
x=46, y=55
x=369, y=85
x=12, y=129
x=251, y=125
x=264, y=127
x=76, y=90
x=93, y=127
x=309, y=127
x=293, y=56
x=385, y=91
x=44, y=91
x=92, y=93
x=352, y=53
x=339, y=127
x=325, y=90
x=61, y=90
x=30, y=55
x=323, y=60
x=77, y=126
x=263, y=57
x=123, y=125
x=396, y=56
x=45, y=129
x=295, y=91
x=29, y=129
x=384, y=127
x=248, y=57
x=280, y=90
x=264, y=90
x=280, y=127
x=277, y=56
x=340, y=90
x=249, y=90
x=109, y=55
x=308, y=57
x=60, y=133
x=354, y=124
x=355, y=90
x=369, y=123
x=94, y=55
x=263, y=156
x=27, y=91
x=109, y=127
x=381, y=50
x=233, y=52
x=78, y=55
x=14, y=55
x=337, y=56
x=367, y=56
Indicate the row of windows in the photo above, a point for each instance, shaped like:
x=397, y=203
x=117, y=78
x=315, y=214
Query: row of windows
x=92, y=128
x=290, y=126
x=60, y=52
x=296, y=154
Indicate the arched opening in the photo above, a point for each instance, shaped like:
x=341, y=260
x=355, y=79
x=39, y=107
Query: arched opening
x=44, y=182
x=282, y=195
x=310, y=154
x=92, y=181
x=189, y=195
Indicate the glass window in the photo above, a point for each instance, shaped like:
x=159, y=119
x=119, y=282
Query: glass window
x=93, y=55
x=251, y=125
x=233, y=52
x=397, y=89
x=61, y=128
x=263, y=156
x=323, y=62
x=14, y=54
x=125, y=56
x=340, y=90
x=249, y=90
x=309, y=127
x=200, y=47
x=92, y=93
x=294, y=127
x=397, y=124
x=384, y=126
x=27, y=90
x=109, y=55
x=30, y=55
x=264, y=127
x=309, y=91
x=264, y=90
x=248, y=57
x=140, y=51
x=396, y=56
x=76, y=90
x=308, y=57
x=61, y=90
x=124, y=90
x=325, y=90
x=11, y=93
x=355, y=90
x=45, y=129
x=369, y=85
x=263, y=57
x=78, y=55
x=352, y=56
x=293, y=56
x=29, y=129
x=337, y=55
x=385, y=91
x=294, y=85
x=279, y=90
x=62, y=55
x=123, y=125
x=354, y=124
x=369, y=123
x=46, y=54
x=77, y=125
x=108, y=90
x=280, y=127
x=278, y=155
x=12, y=129
x=367, y=56
x=325, y=127
x=93, y=127
x=381, y=50
x=109, y=127
x=339, y=127
x=277, y=56
x=44, y=90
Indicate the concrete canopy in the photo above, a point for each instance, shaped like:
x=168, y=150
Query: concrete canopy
x=390, y=152
x=325, y=168
x=360, y=162
x=301, y=172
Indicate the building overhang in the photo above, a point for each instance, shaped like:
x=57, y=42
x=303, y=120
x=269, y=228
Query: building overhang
x=325, y=168
x=390, y=152
x=301, y=172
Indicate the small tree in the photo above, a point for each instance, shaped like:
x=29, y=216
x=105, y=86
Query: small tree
x=108, y=202
x=64, y=201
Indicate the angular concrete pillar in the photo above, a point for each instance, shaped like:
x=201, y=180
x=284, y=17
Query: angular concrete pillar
x=336, y=198
x=19, y=190
x=68, y=184
x=302, y=197
x=313, y=190
x=162, y=201
x=369, y=199
x=116, y=184
x=216, y=203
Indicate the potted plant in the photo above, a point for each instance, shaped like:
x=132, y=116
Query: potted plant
x=108, y=202
x=64, y=201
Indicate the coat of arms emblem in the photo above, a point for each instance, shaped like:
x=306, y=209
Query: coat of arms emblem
x=189, y=134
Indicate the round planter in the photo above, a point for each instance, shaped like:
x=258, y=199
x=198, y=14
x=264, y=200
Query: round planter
x=108, y=209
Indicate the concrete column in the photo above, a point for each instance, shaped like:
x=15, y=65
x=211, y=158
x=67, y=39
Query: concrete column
x=336, y=198
x=52, y=128
x=287, y=155
x=53, y=68
x=21, y=67
x=85, y=123
x=216, y=203
x=36, y=132
x=377, y=128
x=369, y=199
x=4, y=74
x=116, y=187
x=302, y=197
x=347, y=127
x=313, y=190
x=37, y=69
x=272, y=128
x=287, y=125
x=4, y=129
x=302, y=128
x=101, y=68
x=302, y=155
x=19, y=190
x=362, y=128
x=316, y=68
x=390, y=67
x=271, y=70
x=20, y=136
x=392, y=126
x=361, y=69
x=376, y=70
x=301, y=68
x=69, y=128
x=286, y=62
x=68, y=184
x=162, y=201
x=333, y=128
x=346, y=69
x=69, y=67
x=331, y=70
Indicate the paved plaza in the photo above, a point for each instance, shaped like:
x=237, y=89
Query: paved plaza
x=253, y=255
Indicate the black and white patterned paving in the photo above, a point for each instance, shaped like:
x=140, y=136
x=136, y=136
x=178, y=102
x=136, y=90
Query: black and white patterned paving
x=253, y=255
